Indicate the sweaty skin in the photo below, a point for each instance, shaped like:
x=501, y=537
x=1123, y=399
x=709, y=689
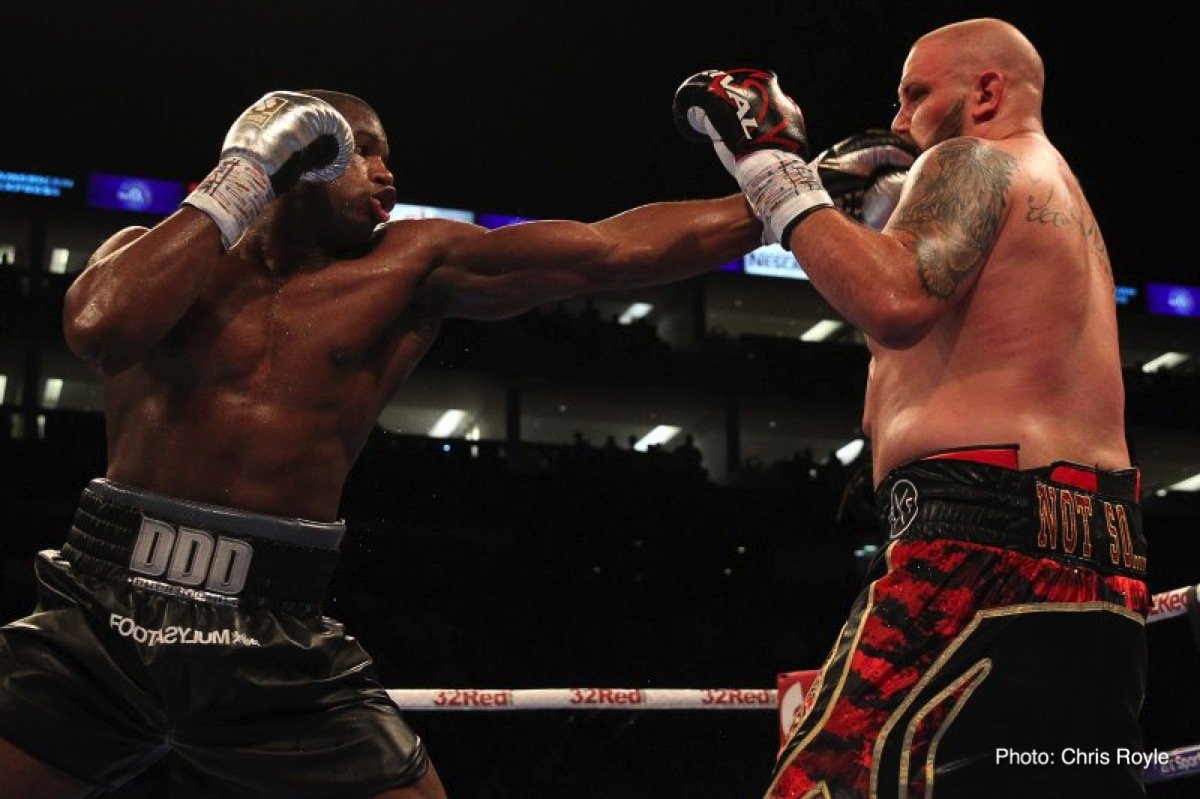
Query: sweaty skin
x=252, y=378
x=988, y=305
x=987, y=300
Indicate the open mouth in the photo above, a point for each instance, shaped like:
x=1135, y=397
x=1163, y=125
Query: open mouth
x=382, y=202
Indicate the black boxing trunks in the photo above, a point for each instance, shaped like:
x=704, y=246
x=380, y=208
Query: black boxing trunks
x=171, y=628
x=998, y=649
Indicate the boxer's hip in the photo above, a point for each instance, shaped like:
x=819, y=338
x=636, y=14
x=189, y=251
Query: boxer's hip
x=1076, y=515
x=203, y=553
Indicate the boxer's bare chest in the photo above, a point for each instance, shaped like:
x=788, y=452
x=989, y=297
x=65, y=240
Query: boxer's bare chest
x=316, y=334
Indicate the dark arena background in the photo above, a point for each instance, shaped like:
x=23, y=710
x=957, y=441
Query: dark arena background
x=650, y=489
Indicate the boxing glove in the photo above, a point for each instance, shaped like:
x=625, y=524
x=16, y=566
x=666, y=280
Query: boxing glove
x=758, y=133
x=865, y=173
x=282, y=138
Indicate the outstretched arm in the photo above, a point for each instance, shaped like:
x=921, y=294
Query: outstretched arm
x=504, y=272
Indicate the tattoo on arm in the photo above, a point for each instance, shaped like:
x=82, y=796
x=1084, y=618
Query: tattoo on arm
x=954, y=213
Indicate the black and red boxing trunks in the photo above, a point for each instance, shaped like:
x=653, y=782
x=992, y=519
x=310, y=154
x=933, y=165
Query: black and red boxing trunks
x=167, y=628
x=999, y=647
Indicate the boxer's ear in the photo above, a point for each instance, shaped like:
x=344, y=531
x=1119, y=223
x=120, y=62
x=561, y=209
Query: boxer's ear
x=987, y=95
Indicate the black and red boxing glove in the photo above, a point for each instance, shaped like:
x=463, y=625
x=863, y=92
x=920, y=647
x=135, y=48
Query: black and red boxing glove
x=758, y=133
x=744, y=107
x=865, y=173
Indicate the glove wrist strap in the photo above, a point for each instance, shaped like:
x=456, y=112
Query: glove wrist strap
x=232, y=195
x=782, y=189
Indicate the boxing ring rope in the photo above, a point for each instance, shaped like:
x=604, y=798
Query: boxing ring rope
x=1166, y=605
x=1173, y=764
x=585, y=698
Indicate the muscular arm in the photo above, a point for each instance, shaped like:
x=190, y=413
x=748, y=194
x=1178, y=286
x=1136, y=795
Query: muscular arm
x=507, y=271
x=895, y=285
x=137, y=286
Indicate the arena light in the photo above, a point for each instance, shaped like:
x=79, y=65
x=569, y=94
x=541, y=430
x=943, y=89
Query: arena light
x=771, y=260
x=52, y=392
x=33, y=184
x=1190, y=484
x=659, y=435
x=132, y=193
x=493, y=221
x=59, y=258
x=409, y=211
x=1168, y=360
x=1172, y=299
x=635, y=312
x=1126, y=295
x=821, y=330
x=847, y=453
x=448, y=424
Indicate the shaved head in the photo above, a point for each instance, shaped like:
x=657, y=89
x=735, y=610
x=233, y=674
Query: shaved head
x=980, y=77
x=987, y=43
x=343, y=102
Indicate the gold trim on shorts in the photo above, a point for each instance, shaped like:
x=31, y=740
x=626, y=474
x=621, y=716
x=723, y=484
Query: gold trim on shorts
x=948, y=652
x=841, y=684
x=975, y=677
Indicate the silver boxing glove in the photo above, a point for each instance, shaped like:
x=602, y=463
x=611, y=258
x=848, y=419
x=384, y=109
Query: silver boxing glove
x=282, y=138
x=865, y=173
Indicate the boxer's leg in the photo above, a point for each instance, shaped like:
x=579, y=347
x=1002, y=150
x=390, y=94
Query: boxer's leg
x=298, y=712
x=428, y=787
x=25, y=777
x=939, y=627
x=70, y=704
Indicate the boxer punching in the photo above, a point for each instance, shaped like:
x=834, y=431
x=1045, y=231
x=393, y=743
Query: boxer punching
x=247, y=343
x=1006, y=611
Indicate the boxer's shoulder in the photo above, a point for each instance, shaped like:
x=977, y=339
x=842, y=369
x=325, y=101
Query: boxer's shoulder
x=417, y=245
x=407, y=250
x=118, y=240
x=433, y=236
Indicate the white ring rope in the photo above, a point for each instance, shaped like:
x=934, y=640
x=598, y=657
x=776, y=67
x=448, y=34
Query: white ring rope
x=1166, y=605
x=1170, y=604
x=1160, y=766
x=585, y=698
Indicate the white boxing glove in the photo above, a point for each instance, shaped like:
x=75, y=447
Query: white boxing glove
x=865, y=173
x=282, y=138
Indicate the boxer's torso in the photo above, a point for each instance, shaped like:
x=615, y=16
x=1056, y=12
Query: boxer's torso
x=265, y=392
x=1029, y=355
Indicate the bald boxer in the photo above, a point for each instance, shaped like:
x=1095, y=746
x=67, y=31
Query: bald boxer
x=1002, y=626
x=247, y=344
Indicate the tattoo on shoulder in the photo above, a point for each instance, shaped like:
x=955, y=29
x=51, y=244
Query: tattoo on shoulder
x=1044, y=211
x=954, y=212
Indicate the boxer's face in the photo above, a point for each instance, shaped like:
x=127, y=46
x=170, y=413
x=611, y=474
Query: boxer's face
x=363, y=195
x=932, y=98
